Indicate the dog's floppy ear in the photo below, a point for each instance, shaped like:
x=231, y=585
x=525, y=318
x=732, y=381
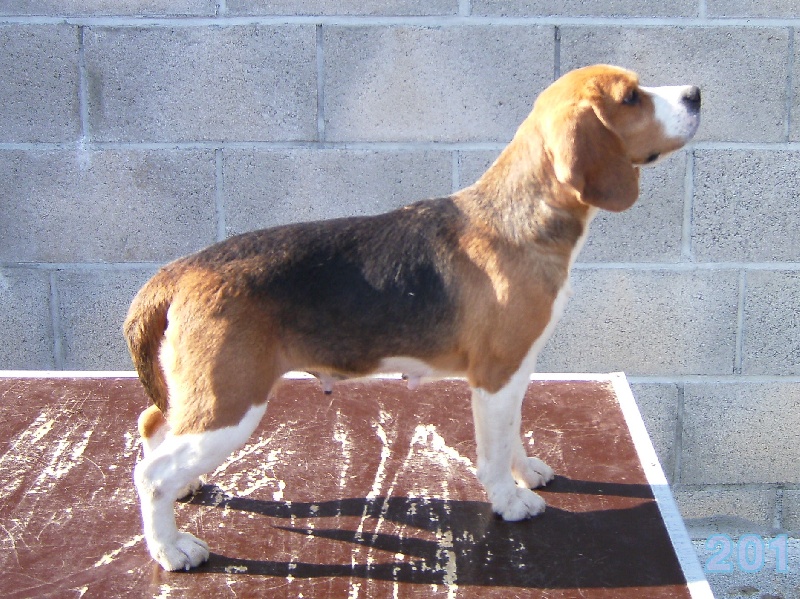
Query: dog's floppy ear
x=591, y=158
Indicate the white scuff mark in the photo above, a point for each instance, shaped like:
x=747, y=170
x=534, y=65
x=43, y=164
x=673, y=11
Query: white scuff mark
x=219, y=497
x=131, y=446
x=80, y=447
x=355, y=589
x=266, y=480
x=290, y=576
x=386, y=452
x=249, y=449
x=230, y=582
x=236, y=569
x=164, y=592
x=111, y=556
x=428, y=436
x=82, y=591
x=399, y=558
x=66, y=455
x=278, y=495
x=246, y=482
x=429, y=445
x=54, y=469
x=24, y=452
x=32, y=454
x=41, y=426
x=57, y=517
x=12, y=543
x=447, y=561
x=340, y=436
x=380, y=476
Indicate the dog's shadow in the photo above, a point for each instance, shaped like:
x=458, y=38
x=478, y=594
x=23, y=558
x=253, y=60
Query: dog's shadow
x=464, y=543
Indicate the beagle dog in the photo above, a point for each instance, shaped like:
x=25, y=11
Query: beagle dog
x=469, y=285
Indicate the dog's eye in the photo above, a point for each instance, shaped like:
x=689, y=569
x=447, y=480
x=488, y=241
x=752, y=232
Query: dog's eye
x=632, y=98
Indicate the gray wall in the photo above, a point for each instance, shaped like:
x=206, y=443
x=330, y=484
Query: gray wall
x=133, y=133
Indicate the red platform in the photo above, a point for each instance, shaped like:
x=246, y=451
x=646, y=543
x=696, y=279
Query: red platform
x=369, y=492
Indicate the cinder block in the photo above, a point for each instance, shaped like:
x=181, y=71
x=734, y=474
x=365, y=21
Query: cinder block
x=337, y=7
x=795, y=113
x=109, y=206
x=25, y=320
x=253, y=83
x=39, y=83
x=745, y=206
x=791, y=511
x=92, y=307
x=650, y=231
x=581, y=8
x=740, y=433
x=474, y=83
x=774, y=9
x=771, y=343
x=658, y=405
x=755, y=111
x=149, y=8
x=646, y=322
x=731, y=510
x=266, y=188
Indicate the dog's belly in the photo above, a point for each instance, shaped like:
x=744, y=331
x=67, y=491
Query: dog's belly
x=413, y=370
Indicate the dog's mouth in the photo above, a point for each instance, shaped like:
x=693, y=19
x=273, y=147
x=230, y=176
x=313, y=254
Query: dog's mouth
x=652, y=158
x=648, y=160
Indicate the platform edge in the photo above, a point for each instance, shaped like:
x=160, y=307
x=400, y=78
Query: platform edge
x=676, y=529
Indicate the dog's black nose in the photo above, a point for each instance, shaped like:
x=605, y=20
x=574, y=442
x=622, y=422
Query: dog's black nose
x=692, y=97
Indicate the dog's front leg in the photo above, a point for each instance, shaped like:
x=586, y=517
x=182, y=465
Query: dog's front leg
x=501, y=455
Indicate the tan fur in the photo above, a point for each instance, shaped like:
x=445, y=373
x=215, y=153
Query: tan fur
x=144, y=331
x=151, y=421
x=223, y=351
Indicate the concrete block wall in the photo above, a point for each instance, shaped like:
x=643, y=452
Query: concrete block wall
x=134, y=132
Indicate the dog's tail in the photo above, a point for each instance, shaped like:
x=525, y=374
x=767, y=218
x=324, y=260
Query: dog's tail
x=144, y=331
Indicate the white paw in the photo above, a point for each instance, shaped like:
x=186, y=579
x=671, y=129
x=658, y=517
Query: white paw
x=517, y=504
x=190, y=489
x=532, y=473
x=186, y=552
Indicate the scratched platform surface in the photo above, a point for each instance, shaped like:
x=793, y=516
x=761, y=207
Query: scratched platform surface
x=369, y=492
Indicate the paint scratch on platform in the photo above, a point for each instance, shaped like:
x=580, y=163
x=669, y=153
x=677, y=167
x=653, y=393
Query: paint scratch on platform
x=16, y=462
x=438, y=449
x=340, y=435
x=39, y=457
x=67, y=455
x=132, y=443
x=246, y=482
x=386, y=452
x=164, y=592
x=249, y=449
x=355, y=589
x=447, y=560
x=112, y=555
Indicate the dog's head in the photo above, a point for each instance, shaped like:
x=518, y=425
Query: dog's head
x=599, y=126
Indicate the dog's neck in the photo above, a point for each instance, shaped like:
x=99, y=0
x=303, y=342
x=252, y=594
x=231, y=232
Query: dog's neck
x=513, y=199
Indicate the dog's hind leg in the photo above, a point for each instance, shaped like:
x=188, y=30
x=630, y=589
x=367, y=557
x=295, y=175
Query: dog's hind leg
x=154, y=429
x=167, y=470
x=217, y=395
